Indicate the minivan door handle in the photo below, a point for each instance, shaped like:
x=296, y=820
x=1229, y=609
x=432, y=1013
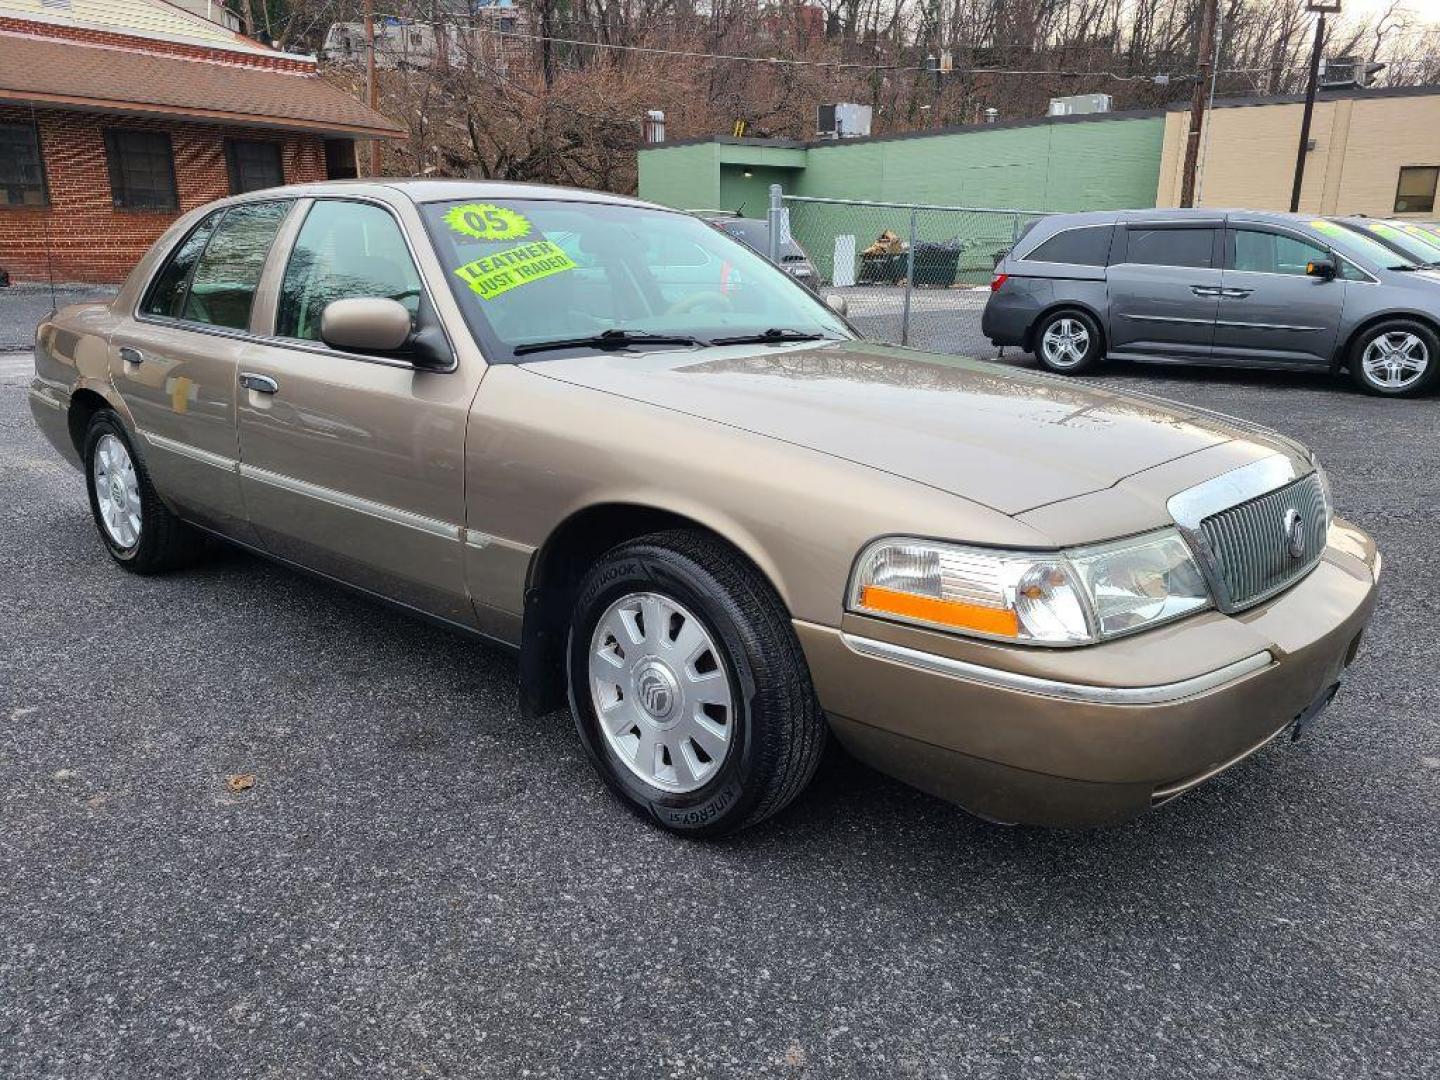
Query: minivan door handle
x=1205, y=290
x=1236, y=294
x=261, y=384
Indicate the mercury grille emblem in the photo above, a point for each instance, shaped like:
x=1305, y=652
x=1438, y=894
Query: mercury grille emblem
x=1292, y=525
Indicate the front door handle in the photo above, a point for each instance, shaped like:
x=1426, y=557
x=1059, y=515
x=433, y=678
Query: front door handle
x=261, y=384
x=1236, y=294
x=131, y=356
x=1205, y=290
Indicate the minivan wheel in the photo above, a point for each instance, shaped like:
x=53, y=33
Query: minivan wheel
x=1068, y=342
x=139, y=531
x=1398, y=358
x=688, y=686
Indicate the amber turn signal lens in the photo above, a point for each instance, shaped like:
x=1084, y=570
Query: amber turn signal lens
x=956, y=613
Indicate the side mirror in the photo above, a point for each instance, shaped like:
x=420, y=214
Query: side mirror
x=1321, y=268
x=368, y=324
x=838, y=304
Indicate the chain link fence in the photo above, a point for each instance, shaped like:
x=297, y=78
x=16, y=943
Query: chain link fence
x=911, y=274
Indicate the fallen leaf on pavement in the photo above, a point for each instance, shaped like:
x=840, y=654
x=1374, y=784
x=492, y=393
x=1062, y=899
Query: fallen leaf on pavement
x=240, y=782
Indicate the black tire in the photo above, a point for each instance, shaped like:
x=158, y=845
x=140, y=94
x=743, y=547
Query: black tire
x=1428, y=342
x=779, y=732
x=164, y=542
x=1094, y=348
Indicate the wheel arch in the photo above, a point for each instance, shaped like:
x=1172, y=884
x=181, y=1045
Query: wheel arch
x=1342, y=352
x=1058, y=306
x=559, y=564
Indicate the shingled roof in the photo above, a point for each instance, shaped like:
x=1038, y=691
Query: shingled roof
x=99, y=78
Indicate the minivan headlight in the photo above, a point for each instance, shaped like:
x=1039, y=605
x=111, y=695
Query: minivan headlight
x=1073, y=597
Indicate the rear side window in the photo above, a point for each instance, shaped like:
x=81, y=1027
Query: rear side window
x=1088, y=246
x=1170, y=247
x=345, y=250
x=222, y=289
x=167, y=294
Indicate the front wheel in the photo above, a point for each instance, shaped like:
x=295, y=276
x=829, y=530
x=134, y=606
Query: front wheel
x=1398, y=358
x=1068, y=342
x=688, y=686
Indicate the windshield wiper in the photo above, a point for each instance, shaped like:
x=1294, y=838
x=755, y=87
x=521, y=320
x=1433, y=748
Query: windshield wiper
x=610, y=339
x=765, y=337
x=1407, y=267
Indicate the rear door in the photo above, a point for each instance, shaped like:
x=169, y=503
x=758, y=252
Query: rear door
x=174, y=363
x=1270, y=311
x=353, y=465
x=1164, y=289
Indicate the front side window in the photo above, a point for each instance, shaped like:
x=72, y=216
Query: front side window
x=345, y=250
x=527, y=271
x=167, y=293
x=22, y=176
x=142, y=170
x=1271, y=253
x=1415, y=193
x=1170, y=246
x=222, y=288
x=253, y=165
x=1078, y=247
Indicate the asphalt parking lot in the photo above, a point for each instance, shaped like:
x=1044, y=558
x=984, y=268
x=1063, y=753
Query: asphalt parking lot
x=419, y=884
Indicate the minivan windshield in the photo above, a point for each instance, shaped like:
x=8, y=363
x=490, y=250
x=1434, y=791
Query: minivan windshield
x=1413, y=243
x=1353, y=242
x=540, y=278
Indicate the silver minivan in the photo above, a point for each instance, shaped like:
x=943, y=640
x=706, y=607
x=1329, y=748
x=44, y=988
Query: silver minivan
x=1218, y=287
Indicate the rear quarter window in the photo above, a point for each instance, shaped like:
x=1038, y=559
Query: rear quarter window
x=1087, y=245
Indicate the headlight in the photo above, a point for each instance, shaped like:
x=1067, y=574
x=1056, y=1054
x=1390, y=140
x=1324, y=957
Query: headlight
x=1073, y=597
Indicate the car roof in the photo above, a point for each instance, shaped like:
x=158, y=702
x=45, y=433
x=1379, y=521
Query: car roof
x=426, y=190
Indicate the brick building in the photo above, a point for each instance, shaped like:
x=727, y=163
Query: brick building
x=116, y=116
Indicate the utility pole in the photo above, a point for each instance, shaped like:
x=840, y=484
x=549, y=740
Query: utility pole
x=1322, y=8
x=1197, y=100
x=372, y=93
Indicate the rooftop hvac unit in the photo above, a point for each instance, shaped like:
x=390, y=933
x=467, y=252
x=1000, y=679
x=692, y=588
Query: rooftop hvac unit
x=1080, y=104
x=842, y=121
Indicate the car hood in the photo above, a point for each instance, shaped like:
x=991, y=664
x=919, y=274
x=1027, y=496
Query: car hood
x=1006, y=438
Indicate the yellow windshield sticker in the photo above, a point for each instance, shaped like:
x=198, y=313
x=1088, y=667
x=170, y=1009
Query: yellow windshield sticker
x=492, y=275
x=486, y=221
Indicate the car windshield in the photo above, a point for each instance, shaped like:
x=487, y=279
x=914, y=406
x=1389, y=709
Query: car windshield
x=1358, y=243
x=1411, y=239
x=599, y=276
x=756, y=234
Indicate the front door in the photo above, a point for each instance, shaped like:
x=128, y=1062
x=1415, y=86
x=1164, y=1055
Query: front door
x=1270, y=311
x=354, y=465
x=175, y=363
x=1164, y=286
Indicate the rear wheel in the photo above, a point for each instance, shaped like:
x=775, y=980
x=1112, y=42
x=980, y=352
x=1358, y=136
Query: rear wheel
x=1068, y=342
x=688, y=686
x=1398, y=358
x=138, y=530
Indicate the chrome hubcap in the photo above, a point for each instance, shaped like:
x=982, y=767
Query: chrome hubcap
x=1065, y=342
x=117, y=491
x=1396, y=360
x=660, y=692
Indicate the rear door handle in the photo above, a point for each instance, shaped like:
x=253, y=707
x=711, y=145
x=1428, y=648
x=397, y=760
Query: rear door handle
x=261, y=384
x=131, y=356
x=1205, y=290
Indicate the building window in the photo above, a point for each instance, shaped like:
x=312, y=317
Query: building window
x=1416, y=191
x=340, y=159
x=22, y=177
x=142, y=170
x=253, y=165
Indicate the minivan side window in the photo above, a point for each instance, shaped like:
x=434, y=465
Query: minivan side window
x=222, y=289
x=1088, y=245
x=1170, y=246
x=345, y=250
x=1271, y=253
x=167, y=291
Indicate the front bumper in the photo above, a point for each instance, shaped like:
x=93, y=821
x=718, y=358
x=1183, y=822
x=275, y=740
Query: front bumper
x=1095, y=735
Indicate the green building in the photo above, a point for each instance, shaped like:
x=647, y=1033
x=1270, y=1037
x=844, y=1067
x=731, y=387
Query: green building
x=1088, y=162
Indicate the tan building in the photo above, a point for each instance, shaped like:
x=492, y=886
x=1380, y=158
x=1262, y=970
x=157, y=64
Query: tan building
x=1373, y=152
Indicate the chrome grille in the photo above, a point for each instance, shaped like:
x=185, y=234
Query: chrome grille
x=1250, y=547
